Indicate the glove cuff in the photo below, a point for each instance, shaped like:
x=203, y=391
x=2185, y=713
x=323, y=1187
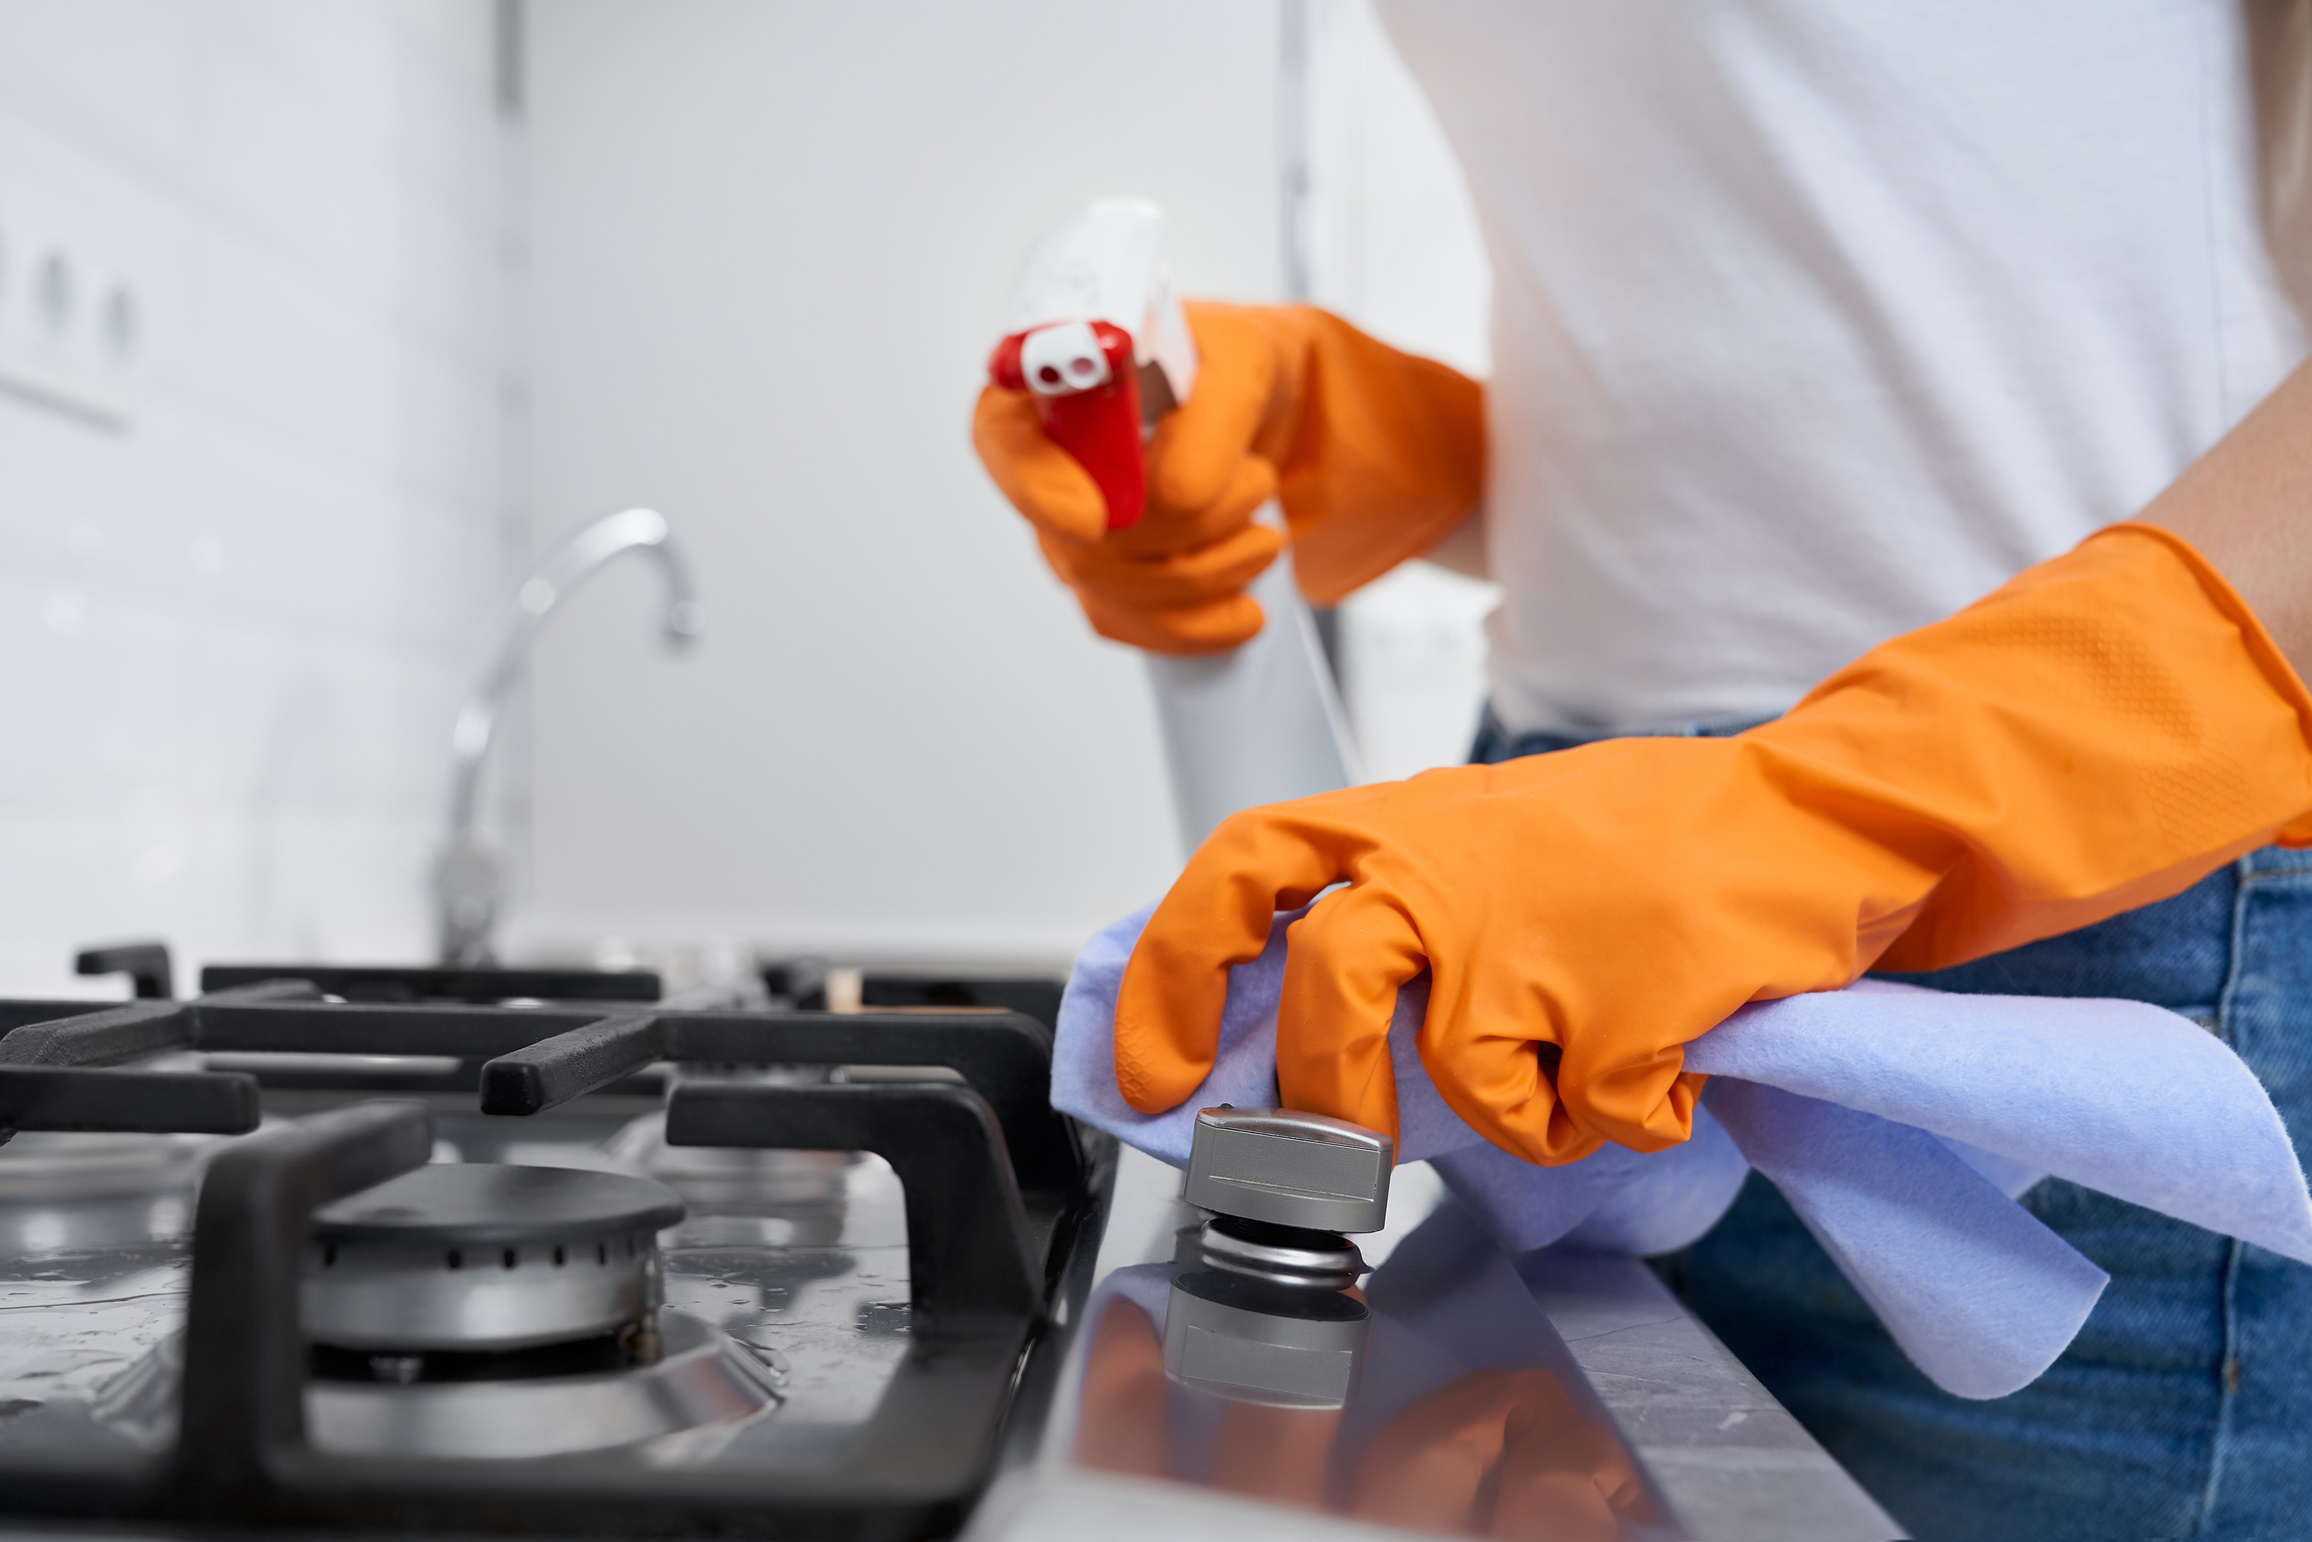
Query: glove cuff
x=2107, y=729
x=2269, y=660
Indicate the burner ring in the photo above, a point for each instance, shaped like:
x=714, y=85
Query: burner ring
x=478, y=1256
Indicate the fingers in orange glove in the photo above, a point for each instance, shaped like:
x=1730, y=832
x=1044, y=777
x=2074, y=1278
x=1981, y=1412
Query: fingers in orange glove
x=1344, y=964
x=1212, y=627
x=1196, y=457
x=1198, y=450
x=1252, y=484
x=1041, y=480
x=1216, y=916
x=1424, y=863
x=2097, y=734
x=1373, y=455
x=1214, y=571
x=1141, y=586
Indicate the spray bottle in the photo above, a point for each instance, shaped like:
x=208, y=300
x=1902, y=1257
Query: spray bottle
x=1096, y=335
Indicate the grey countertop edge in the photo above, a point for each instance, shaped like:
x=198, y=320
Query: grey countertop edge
x=1055, y=1503
x=1732, y=1463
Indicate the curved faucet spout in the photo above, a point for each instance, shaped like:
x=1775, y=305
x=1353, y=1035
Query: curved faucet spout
x=466, y=874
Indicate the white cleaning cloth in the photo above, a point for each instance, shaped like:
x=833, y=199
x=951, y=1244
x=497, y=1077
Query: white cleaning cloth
x=1899, y=1122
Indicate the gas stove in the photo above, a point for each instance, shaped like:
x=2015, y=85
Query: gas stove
x=531, y=1250
x=328, y=1249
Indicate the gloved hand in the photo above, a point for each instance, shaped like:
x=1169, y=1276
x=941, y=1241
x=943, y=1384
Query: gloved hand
x=1374, y=455
x=2099, y=733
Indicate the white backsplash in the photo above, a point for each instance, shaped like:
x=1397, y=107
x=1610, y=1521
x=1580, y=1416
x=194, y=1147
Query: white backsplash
x=250, y=514
x=258, y=487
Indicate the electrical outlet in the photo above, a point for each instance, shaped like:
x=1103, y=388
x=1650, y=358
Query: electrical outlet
x=73, y=320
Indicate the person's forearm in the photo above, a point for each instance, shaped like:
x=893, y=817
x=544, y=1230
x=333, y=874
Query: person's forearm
x=2247, y=506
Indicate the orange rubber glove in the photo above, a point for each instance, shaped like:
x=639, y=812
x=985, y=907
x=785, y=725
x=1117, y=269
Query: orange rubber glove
x=1374, y=454
x=2097, y=734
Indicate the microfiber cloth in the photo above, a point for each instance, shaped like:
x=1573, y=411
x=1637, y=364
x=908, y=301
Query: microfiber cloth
x=1901, y=1124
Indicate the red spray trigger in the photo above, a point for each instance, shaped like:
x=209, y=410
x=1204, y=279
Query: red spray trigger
x=1087, y=397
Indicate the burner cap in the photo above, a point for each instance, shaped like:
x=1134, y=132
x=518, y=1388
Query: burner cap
x=493, y=1205
x=483, y=1257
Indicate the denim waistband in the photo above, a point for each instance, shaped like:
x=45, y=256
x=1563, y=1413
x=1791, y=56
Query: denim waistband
x=1496, y=743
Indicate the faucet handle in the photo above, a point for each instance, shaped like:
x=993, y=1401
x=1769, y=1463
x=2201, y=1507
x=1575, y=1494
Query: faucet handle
x=1289, y=1168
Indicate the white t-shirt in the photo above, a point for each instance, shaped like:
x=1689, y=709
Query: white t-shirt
x=1814, y=320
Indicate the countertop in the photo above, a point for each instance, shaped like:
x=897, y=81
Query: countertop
x=1639, y=1387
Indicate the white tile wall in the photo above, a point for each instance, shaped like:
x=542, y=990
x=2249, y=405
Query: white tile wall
x=232, y=633
x=241, y=563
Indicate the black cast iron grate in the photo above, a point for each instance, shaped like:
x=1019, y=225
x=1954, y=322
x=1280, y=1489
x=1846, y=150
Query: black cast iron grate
x=1002, y=1194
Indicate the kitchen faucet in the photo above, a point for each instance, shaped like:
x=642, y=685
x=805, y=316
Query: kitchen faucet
x=468, y=881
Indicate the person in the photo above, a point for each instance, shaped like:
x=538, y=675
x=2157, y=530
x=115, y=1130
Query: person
x=1895, y=460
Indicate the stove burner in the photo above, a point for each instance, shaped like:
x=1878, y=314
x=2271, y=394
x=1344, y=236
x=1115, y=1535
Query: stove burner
x=471, y=1311
x=339, y=1370
x=483, y=1258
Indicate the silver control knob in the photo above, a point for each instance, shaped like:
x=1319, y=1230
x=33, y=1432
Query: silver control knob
x=1260, y=1310
x=1290, y=1168
x=1285, y=1186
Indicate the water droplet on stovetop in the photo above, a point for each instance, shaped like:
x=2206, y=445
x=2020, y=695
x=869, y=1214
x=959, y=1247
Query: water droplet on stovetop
x=883, y=1319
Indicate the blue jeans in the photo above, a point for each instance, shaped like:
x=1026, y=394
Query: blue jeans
x=2184, y=1407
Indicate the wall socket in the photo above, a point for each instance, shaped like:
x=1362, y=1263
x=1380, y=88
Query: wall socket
x=75, y=323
